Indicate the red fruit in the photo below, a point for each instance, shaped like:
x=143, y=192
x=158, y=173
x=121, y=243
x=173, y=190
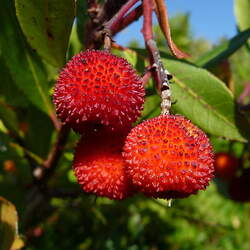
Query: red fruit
x=96, y=87
x=225, y=166
x=168, y=157
x=100, y=168
x=239, y=187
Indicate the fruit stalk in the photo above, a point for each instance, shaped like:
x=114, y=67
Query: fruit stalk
x=161, y=75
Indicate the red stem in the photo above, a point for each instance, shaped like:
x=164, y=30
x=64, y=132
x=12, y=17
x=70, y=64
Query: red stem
x=57, y=148
x=55, y=121
x=147, y=23
x=114, y=22
x=160, y=74
x=128, y=19
x=146, y=77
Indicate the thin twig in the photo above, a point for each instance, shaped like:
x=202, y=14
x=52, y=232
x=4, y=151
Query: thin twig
x=132, y=16
x=55, y=121
x=42, y=172
x=147, y=30
x=146, y=76
x=33, y=161
x=57, y=148
x=36, y=158
x=161, y=75
x=112, y=12
x=114, y=22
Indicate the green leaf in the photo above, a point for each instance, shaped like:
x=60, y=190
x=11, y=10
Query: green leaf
x=47, y=26
x=224, y=50
x=206, y=101
x=8, y=224
x=201, y=97
x=135, y=59
x=25, y=68
x=37, y=121
x=151, y=107
x=75, y=45
x=8, y=117
x=81, y=18
x=242, y=13
x=8, y=90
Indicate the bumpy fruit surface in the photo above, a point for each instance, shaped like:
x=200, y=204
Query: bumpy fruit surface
x=100, y=168
x=225, y=165
x=168, y=157
x=96, y=87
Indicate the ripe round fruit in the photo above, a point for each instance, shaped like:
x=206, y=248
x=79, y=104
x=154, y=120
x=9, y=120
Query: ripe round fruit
x=168, y=157
x=225, y=165
x=96, y=87
x=100, y=168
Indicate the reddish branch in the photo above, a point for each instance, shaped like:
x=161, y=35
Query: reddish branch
x=132, y=16
x=114, y=23
x=108, y=19
x=160, y=74
x=147, y=23
x=55, y=152
x=146, y=76
x=54, y=120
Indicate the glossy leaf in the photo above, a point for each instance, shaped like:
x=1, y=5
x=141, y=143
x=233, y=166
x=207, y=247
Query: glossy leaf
x=151, y=107
x=25, y=68
x=224, y=50
x=75, y=45
x=206, y=101
x=203, y=98
x=242, y=13
x=38, y=122
x=47, y=26
x=8, y=90
x=8, y=224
